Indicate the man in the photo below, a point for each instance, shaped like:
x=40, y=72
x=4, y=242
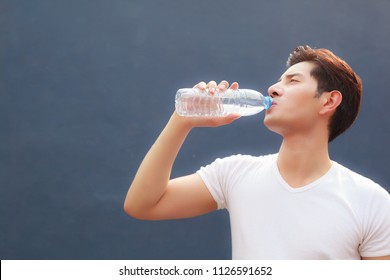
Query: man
x=296, y=204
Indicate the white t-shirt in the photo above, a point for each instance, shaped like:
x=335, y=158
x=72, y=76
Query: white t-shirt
x=342, y=215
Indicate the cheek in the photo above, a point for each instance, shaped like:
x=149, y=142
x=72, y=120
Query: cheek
x=304, y=101
x=302, y=109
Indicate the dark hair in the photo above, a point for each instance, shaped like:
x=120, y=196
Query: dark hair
x=333, y=73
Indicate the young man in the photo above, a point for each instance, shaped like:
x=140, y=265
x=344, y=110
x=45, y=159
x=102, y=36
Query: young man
x=296, y=204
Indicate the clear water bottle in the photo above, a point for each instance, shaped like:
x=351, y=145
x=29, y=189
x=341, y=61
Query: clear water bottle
x=193, y=102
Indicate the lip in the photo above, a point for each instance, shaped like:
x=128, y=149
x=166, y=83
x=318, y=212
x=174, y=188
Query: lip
x=273, y=104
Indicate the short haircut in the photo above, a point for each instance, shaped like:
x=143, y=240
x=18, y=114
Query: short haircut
x=333, y=73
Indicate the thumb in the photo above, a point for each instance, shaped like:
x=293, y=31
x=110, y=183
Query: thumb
x=231, y=118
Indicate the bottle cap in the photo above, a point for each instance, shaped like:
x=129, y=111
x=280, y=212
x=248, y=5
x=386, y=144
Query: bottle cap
x=267, y=102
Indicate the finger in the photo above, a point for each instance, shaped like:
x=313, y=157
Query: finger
x=234, y=86
x=225, y=119
x=212, y=86
x=233, y=116
x=201, y=86
x=223, y=85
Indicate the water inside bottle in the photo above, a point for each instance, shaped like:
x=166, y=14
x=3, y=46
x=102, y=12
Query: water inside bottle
x=196, y=105
x=243, y=111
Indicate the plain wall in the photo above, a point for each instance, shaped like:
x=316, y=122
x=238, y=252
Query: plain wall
x=87, y=86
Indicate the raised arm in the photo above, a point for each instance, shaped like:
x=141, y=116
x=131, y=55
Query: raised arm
x=152, y=194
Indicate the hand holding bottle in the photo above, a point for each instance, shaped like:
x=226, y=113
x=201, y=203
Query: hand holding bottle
x=209, y=103
x=212, y=86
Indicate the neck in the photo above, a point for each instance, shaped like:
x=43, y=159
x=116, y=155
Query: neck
x=302, y=160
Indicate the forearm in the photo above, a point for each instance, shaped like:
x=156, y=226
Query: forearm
x=153, y=175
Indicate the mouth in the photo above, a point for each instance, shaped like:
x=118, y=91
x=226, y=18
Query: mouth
x=273, y=104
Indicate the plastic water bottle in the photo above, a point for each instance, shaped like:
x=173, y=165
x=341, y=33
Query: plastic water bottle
x=193, y=102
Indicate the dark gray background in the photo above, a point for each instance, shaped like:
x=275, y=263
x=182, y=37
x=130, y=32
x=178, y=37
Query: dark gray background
x=87, y=86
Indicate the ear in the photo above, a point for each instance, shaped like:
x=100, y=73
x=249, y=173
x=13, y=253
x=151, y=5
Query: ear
x=331, y=100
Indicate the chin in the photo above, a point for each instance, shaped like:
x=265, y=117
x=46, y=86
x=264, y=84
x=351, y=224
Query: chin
x=272, y=125
x=268, y=121
x=268, y=124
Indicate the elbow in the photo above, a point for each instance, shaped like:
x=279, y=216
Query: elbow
x=130, y=211
x=127, y=210
x=134, y=212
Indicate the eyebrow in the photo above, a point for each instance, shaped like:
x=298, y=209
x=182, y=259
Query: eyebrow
x=289, y=76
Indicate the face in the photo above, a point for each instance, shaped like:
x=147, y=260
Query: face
x=295, y=107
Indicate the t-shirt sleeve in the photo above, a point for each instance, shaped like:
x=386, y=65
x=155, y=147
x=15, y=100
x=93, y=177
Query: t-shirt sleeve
x=376, y=242
x=223, y=175
x=216, y=178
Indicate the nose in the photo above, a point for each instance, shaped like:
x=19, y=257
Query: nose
x=274, y=91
